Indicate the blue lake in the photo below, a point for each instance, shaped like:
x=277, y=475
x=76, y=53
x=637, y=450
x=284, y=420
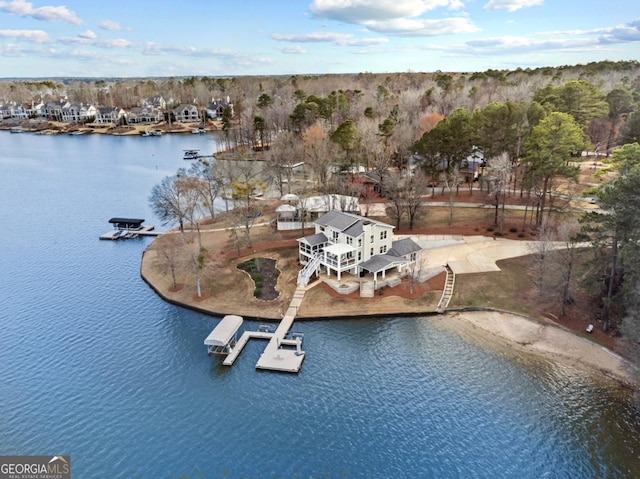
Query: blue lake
x=93, y=364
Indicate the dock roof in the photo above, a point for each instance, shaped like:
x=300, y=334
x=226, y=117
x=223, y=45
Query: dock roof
x=127, y=221
x=223, y=333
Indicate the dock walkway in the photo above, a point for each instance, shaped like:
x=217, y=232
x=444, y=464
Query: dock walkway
x=274, y=356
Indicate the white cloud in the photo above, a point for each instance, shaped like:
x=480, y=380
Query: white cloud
x=395, y=17
x=292, y=50
x=410, y=27
x=629, y=32
x=112, y=26
x=511, y=5
x=312, y=37
x=48, y=13
x=360, y=11
x=326, y=37
x=88, y=34
x=31, y=36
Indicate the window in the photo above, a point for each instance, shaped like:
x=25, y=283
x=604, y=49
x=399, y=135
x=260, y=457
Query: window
x=383, y=249
x=359, y=242
x=359, y=256
x=383, y=234
x=371, y=251
x=335, y=235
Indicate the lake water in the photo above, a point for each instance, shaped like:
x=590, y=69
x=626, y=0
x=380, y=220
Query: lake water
x=93, y=364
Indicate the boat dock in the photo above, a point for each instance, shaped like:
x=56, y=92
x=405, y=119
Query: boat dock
x=275, y=357
x=127, y=228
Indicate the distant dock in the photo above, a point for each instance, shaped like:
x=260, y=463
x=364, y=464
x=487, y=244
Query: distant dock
x=128, y=228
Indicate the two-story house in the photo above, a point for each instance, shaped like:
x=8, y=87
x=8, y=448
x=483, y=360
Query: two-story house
x=78, y=113
x=186, y=114
x=145, y=115
x=344, y=242
x=108, y=115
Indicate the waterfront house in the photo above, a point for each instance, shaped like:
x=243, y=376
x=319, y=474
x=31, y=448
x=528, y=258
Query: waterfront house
x=145, y=115
x=78, y=113
x=186, y=113
x=109, y=116
x=53, y=109
x=348, y=243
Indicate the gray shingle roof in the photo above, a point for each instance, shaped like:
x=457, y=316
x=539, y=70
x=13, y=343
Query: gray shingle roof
x=316, y=239
x=403, y=247
x=381, y=262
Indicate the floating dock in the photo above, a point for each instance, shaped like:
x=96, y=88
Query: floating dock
x=282, y=353
x=127, y=228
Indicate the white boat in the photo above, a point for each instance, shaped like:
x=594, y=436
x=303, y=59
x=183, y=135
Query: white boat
x=199, y=131
x=190, y=155
x=152, y=133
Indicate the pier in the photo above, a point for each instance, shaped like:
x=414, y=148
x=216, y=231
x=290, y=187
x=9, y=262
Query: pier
x=127, y=228
x=275, y=357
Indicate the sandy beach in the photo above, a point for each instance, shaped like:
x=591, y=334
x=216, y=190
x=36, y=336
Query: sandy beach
x=497, y=330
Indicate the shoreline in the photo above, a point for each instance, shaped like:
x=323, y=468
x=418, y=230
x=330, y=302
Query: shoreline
x=486, y=327
x=523, y=335
x=60, y=128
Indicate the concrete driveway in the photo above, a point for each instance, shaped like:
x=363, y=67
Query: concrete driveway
x=471, y=254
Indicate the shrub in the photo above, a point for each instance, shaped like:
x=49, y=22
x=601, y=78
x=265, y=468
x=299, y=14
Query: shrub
x=257, y=292
x=497, y=233
x=520, y=235
x=489, y=228
x=258, y=277
x=513, y=230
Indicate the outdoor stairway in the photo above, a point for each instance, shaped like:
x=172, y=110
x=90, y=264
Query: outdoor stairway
x=305, y=273
x=447, y=292
x=366, y=289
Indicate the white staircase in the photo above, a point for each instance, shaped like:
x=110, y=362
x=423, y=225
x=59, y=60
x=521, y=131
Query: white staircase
x=447, y=292
x=305, y=273
x=366, y=289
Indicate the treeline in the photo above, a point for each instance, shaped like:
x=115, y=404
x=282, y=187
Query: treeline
x=518, y=132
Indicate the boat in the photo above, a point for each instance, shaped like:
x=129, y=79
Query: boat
x=199, y=131
x=190, y=155
x=18, y=129
x=152, y=133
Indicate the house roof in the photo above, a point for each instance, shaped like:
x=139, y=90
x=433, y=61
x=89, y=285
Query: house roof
x=339, y=248
x=348, y=223
x=315, y=239
x=381, y=262
x=403, y=247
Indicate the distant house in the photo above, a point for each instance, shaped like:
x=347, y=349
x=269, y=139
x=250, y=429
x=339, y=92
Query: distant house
x=53, y=109
x=78, y=113
x=291, y=216
x=186, y=113
x=216, y=109
x=13, y=111
x=155, y=102
x=145, y=115
x=348, y=243
x=108, y=115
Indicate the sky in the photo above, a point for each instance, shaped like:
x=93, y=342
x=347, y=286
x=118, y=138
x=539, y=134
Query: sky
x=140, y=38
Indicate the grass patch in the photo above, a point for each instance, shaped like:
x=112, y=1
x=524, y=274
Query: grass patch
x=508, y=289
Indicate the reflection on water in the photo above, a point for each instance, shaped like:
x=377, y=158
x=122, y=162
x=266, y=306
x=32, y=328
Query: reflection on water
x=94, y=365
